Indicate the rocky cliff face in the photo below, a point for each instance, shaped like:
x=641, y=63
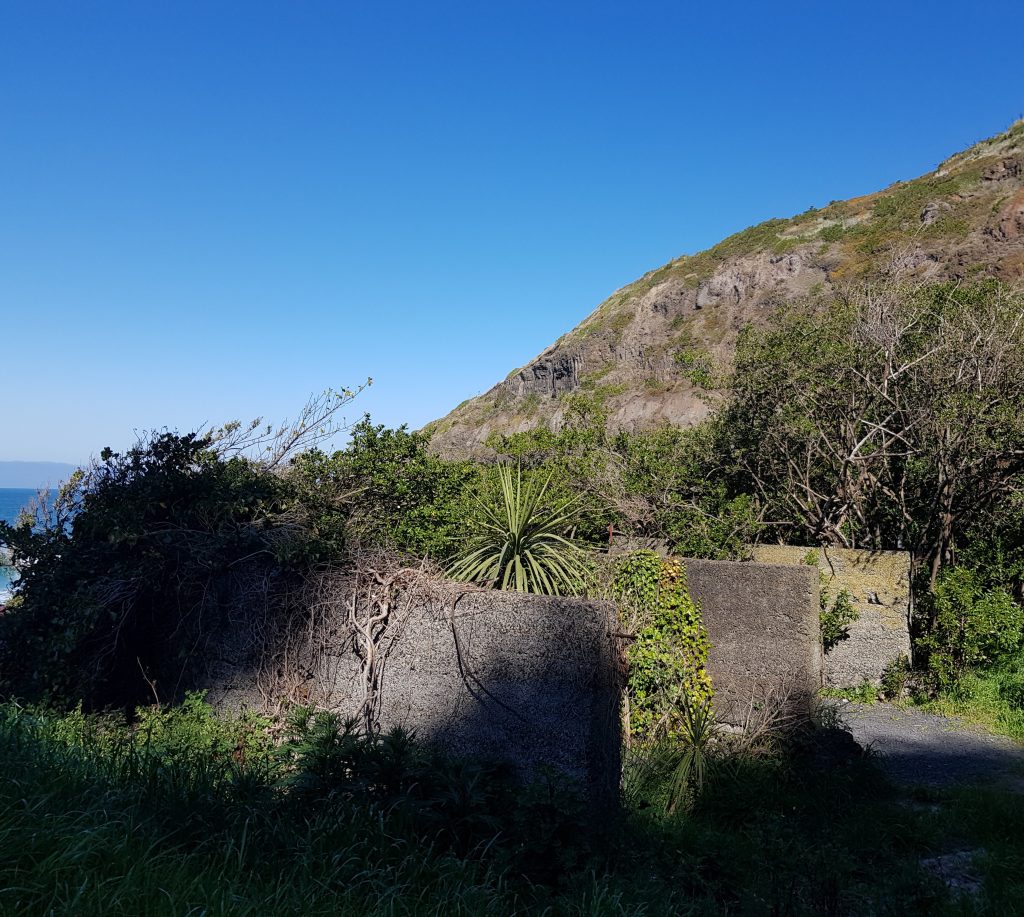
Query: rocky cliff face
x=637, y=351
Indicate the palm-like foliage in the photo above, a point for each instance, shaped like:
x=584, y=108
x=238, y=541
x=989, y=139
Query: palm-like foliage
x=521, y=543
x=697, y=733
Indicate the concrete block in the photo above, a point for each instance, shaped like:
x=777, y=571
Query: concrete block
x=762, y=621
x=879, y=587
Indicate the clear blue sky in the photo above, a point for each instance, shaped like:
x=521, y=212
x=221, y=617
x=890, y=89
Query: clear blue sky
x=209, y=210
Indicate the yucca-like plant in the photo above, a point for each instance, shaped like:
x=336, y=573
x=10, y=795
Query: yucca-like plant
x=698, y=730
x=521, y=542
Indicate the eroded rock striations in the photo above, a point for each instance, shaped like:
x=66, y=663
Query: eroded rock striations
x=632, y=353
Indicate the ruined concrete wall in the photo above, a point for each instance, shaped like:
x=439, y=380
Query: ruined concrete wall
x=527, y=680
x=762, y=621
x=879, y=587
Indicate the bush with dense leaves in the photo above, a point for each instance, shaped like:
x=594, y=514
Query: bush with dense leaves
x=394, y=492
x=136, y=557
x=969, y=625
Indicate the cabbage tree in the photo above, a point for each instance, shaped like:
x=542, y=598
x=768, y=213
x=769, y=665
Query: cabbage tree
x=522, y=540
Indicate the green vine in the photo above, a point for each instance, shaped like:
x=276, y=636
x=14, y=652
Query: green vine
x=668, y=658
x=837, y=614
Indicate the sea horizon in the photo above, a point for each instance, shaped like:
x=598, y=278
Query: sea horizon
x=12, y=501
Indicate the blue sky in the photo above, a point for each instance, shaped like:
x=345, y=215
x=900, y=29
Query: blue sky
x=209, y=210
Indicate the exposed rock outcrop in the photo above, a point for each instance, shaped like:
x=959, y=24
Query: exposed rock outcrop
x=965, y=219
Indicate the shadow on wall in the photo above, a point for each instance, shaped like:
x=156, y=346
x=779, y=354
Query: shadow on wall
x=530, y=681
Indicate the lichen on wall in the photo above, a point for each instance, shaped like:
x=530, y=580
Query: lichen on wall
x=878, y=583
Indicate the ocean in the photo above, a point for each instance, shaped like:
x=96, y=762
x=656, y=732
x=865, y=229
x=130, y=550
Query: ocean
x=12, y=501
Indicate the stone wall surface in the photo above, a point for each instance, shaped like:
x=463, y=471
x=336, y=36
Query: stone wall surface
x=879, y=587
x=762, y=621
x=528, y=680
x=533, y=680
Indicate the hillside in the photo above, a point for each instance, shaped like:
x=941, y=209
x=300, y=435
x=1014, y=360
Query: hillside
x=638, y=350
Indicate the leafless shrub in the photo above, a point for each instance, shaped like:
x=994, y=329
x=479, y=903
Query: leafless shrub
x=773, y=714
x=327, y=642
x=319, y=420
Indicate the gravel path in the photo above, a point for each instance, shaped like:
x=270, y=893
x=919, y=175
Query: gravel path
x=927, y=749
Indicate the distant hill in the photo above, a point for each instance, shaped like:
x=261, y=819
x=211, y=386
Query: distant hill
x=34, y=474
x=964, y=219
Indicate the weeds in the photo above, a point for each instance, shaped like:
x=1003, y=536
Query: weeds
x=697, y=733
x=993, y=698
x=164, y=816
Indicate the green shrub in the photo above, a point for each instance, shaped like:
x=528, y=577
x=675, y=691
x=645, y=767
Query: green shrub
x=991, y=697
x=668, y=659
x=385, y=489
x=192, y=734
x=836, y=616
x=697, y=732
x=896, y=677
x=135, y=560
x=1012, y=691
x=698, y=366
x=970, y=625
x=833, y=232
x=672, y=484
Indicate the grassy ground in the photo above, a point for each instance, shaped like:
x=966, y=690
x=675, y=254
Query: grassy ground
x=189, y=818
x=993, y=698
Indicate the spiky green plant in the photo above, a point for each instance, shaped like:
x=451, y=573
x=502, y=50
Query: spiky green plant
x=697, y=731
x=521, y=540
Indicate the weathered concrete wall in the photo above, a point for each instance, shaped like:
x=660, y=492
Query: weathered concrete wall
x=533, y=680
x=879, y=587
x=523, y=679
x=528, y=680
x=765, y=642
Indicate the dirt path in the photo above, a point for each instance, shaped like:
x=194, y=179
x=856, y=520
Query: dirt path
x=917, y=748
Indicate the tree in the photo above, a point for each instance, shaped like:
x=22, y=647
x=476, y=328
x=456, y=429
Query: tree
x=519, y=539
x=388, y=490
x=887, y=417
x=671, y=484
x=668, y=483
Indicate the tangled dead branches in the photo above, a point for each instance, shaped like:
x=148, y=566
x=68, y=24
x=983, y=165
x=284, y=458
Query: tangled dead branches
x=339, y=629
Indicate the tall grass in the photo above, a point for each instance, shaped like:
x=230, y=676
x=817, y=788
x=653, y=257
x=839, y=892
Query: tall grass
x=993, y=698
x=182, y=814
x=99, y=819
